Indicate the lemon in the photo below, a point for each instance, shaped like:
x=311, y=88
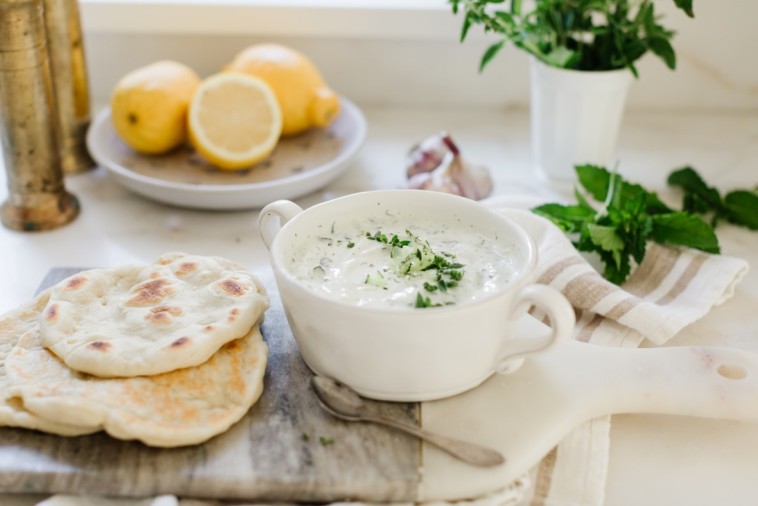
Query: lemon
x=234, y=120
x=306, y=101
x=149, y=106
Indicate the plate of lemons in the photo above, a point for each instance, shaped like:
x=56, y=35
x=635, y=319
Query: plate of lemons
x=265, y=128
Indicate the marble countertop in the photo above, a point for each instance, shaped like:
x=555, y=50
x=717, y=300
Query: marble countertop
x=694, y=462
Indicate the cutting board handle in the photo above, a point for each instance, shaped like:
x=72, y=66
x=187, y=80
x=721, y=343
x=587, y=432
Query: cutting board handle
x=710, y=382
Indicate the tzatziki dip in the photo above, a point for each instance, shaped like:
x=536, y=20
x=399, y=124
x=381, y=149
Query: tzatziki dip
x=387, y=264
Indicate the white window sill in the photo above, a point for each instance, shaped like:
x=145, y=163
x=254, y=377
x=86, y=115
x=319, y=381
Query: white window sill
x=365, y=19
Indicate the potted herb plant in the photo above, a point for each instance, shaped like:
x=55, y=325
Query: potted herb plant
x=583, y=60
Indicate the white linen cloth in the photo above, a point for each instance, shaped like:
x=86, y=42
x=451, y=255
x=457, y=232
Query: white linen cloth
x=672, y=288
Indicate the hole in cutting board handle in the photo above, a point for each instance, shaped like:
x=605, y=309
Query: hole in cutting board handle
x=732, y=371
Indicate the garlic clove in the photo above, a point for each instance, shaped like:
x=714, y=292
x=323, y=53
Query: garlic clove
x=427, y=155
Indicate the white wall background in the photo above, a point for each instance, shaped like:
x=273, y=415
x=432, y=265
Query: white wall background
x=408, y=53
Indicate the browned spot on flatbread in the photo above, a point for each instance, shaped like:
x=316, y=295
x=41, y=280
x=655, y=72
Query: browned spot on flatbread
x=232, y=287
x=186, y=268
x=173, y=310
x=151, y=292
x=182, y=341
x=75, y=283
x=52, y=313
x=208, y=328
x=99, y=345
x=163, y=314
x=233, y=314
x=158, y=317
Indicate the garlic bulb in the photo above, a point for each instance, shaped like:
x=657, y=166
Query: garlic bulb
x=436, y=164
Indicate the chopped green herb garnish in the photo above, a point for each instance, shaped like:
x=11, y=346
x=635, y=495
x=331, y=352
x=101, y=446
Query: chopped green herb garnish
x=422, y=301
x=304, y=436
x=378, y=236
x=325, y=441
x=350, y=245
x=414, y=256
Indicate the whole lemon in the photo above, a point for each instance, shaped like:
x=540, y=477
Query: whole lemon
x=149, y=106
x=304, y=98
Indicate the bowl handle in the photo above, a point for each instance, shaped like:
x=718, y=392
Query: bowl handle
x=561, y=322
x=273, y=217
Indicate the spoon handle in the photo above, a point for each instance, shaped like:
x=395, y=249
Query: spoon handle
x=467, y=452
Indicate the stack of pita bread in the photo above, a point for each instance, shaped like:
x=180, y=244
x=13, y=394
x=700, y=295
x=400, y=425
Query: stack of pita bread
x=170, y=353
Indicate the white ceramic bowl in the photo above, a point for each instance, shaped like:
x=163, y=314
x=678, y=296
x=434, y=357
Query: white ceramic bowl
x=408, y=354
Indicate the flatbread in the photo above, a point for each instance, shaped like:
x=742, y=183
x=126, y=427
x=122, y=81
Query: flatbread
x=13, y=325
x=146, y=320
x=182, y=407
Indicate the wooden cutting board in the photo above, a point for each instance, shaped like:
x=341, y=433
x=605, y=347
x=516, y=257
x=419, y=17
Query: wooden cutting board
x=284, y=449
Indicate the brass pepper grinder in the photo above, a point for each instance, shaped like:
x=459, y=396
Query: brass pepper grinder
x=65, y=46
x=37, y=198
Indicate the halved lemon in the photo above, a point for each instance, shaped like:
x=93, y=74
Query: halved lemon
x=234, y=120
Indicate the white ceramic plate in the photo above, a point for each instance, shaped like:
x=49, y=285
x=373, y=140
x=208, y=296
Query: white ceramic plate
x=299, y=165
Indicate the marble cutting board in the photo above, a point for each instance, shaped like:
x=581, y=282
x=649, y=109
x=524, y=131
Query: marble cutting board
x=284, y=449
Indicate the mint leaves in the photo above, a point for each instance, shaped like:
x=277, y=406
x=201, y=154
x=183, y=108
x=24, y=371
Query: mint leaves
x=739, y=207
x=578, y=34
x=623, y=218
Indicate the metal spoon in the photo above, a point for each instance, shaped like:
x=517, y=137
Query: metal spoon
x=342, y=402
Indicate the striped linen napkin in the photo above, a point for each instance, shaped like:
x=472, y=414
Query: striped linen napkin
x=672, y=288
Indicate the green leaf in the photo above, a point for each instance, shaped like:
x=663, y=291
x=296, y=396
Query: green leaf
x=616, y=273
x=686, y=6
x=516, y=7
x=507, y=19
x=662, y=47
x=616, y=265
x=567, y=218
x=468, y=20
x=562, y=57
x=690, y=181
x=582, y=200
x=684, y=229
x=742, y=208
x=490, y=53
x=596, y=180
x=605, y=237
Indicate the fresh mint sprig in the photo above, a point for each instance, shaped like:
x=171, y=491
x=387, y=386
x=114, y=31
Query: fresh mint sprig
x=739, y=207
x=623, y=219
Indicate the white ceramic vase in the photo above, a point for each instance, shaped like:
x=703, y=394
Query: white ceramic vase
x=575, y=117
